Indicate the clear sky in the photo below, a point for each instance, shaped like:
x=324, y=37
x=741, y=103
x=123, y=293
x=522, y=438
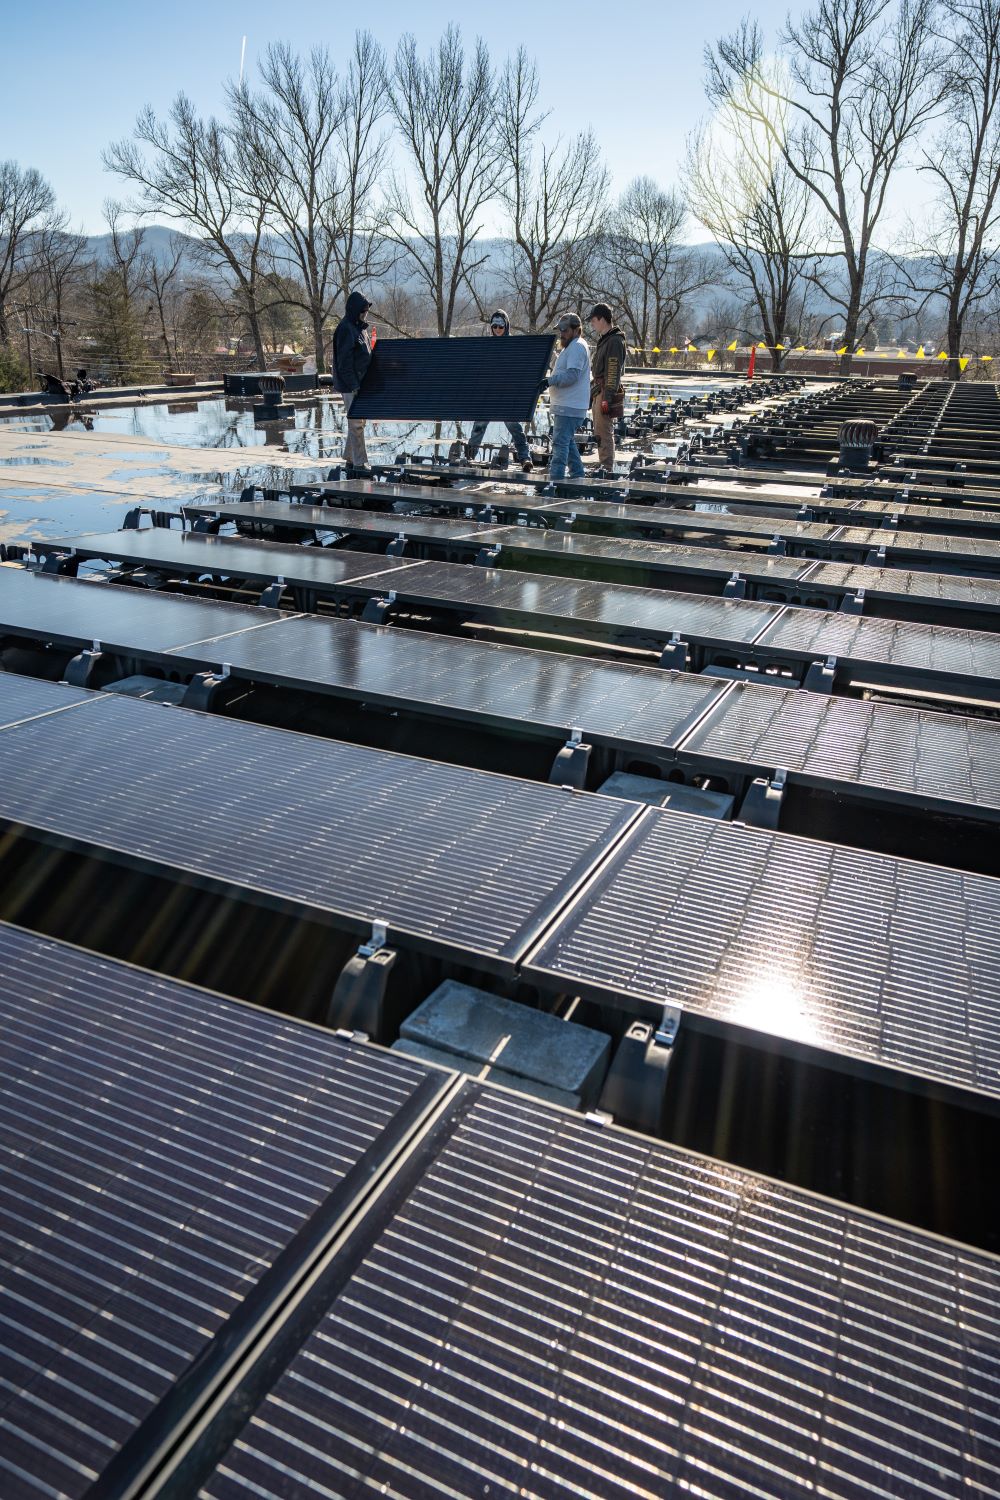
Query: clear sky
x=75, y=75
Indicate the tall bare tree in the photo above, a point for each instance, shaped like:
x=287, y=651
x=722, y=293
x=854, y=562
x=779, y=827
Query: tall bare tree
x=163, y=281
x=955, y=256
x=555, y=199
x=59, y=268
x=309, y=140
x=183, y=167
x=741, y=188
x=645, y=266
x=861, y=81
x=444, y=106
x=26, y=200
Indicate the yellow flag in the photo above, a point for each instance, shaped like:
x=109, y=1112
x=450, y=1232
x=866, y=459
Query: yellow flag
x=779, y=346
x=920, y=353
x=800, y=348
x=962, y=361
x=986, y=358
x=674, y=349
x=731, y=347
x=656, y=351
x=711, y=354
x=943, y=354
x=883, y=356
x=761, y=346
x=900, y=353
x=843, y=350
x=859, y=351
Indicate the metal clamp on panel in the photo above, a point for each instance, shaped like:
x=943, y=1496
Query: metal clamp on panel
x=80, y=671
x=891, y=521
x=566, y=523
x=736, y=587
x=571, y=764
x=270, y=597
x=820, y=676
x=377, y=611
x=203, y=689
x=804, y=513
x=777, y=547
x=762, y=803
x=488, y=557
x=397, y=546
x=60, y=562
x=358, y=998
x=876, y=558
x=674, y=655
x=853, y=604
x=488, y=515
x=635, y=1087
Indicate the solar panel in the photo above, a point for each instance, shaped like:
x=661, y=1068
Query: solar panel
x=980, y=594
x=27, y=697
x=48, y=608
x=160, y=1148
x=455, y=380
x=865, y=956
x=638, y=555
x=971, y=655
x=513, y=594
x=502, y=684
x=454, y=857
x=947, y=761
x=560, y=1310
x=981, y=551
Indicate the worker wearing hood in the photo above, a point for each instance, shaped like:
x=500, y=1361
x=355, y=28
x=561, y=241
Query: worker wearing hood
x=499, y=327
x=352, y=354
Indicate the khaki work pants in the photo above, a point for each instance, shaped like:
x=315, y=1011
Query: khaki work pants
x=604, y=431
x=355, y=452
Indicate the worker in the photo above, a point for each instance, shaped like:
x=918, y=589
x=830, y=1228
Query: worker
x=607, y=391
x=570, y=399
x=499, y=328
x=351, y=356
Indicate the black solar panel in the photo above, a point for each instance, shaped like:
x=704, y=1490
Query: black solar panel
x=858, y=954
x=943, y=759
x=455, y=380
x=502, y=683
x=69, y=610
x=197, y=552
x=971, y=654
x=27, y=697
x=159, y=1147
x=563, y=1311
x=593, y=551
x=980, y=550
x=451, y=856
x=583, y=603
x=899, y=583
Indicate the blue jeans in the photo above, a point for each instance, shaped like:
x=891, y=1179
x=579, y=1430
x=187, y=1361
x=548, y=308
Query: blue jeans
x=517, y=438
x=564, y=449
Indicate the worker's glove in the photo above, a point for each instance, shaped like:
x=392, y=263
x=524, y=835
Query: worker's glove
x=543, y=387
x=605, y=408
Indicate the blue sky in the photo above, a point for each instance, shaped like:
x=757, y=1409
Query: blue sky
x=75, y=75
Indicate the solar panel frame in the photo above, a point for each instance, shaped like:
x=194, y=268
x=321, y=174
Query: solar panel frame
x=455, y=379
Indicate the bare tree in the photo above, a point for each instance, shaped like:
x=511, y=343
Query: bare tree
x=309, y=140
x=955, y=256
x=554, y=197
x=59, y=266
x=182, y=167
x=445, y=110
x=163, y=282
x=742, y=189
x=26, y=200
x=646, y=269
x=860, y=83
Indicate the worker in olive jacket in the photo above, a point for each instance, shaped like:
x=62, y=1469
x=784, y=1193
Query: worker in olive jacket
x=607, y=390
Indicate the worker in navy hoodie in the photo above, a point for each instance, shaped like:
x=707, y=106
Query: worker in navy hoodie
x=500, y=328
x=352, y=354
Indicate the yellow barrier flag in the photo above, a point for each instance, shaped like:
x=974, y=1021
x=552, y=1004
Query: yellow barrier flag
x=920, y=353
x=800, y=348
x=962, y=361
x=674, y=349
x=859, y=351
x=692, y=349
x=986, y=358
x=656, y=351
x=943, y=354
x=843, y=350
x=710, y=354
x=731, y=348
x=761, y=346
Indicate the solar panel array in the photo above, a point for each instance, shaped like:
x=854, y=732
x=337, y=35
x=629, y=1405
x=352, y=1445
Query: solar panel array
x=245, y=1256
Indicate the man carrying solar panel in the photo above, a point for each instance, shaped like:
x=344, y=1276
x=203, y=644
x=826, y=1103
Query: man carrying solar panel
x=352, y=354
x=500, y=328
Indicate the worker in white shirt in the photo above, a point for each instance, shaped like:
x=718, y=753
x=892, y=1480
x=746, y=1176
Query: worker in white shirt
x=569, y=383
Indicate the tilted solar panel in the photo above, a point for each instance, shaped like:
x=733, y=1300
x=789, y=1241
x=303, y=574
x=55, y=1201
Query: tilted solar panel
x=561, y=1311
x=160, y=1148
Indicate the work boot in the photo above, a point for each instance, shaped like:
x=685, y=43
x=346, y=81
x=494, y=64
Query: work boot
x=527, y=465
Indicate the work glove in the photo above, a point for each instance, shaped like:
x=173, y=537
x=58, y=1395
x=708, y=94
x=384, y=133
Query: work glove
x=605, y=408
x=543, y=387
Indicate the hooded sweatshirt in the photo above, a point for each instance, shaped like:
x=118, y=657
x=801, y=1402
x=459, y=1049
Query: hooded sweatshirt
x=608, y=367
x=352, y=345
